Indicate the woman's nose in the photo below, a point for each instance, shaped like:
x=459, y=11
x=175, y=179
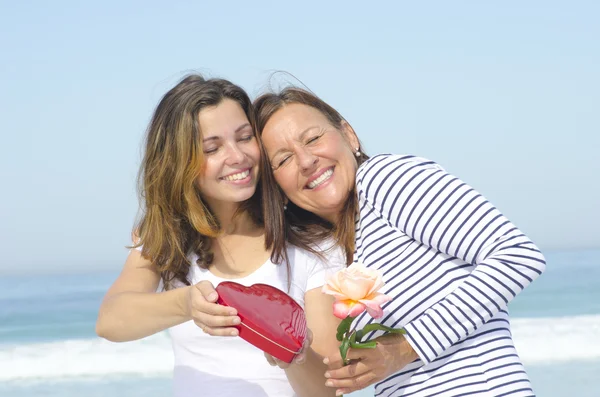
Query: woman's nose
x=307, y=161
x=234, y=154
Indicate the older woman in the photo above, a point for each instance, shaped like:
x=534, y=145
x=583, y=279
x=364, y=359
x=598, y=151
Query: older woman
x=451, y=261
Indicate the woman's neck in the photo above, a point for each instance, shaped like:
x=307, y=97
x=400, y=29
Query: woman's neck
x=233, y=221
x=240, y=248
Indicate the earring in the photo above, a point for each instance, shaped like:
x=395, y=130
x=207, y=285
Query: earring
x=284, y=207
x=357, y=153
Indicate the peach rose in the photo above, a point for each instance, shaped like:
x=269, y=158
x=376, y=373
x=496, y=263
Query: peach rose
x=355, y=290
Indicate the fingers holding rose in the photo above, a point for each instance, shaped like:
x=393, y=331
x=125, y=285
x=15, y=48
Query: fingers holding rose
x=368, y=366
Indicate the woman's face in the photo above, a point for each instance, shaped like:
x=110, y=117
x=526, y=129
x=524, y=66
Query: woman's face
x=312, y=161
x=231, y=154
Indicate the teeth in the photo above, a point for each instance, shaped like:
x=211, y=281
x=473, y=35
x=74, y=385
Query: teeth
x=237, y=177
x=324, y=176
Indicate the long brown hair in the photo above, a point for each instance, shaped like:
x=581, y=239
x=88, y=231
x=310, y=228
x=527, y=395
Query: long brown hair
x=175, y=221
x=296, y=225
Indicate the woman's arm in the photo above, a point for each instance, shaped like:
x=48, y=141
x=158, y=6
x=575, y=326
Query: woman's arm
x=419, y=198
x=308, y=378
x=132, y=309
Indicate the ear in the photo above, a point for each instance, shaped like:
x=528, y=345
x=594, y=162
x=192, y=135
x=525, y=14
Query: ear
x=350, y=135
x=286, y=201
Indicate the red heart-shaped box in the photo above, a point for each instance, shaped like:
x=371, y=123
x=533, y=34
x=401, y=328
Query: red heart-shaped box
x=271, y=319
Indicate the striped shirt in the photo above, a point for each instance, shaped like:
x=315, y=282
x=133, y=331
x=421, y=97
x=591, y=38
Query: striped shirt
x=452, y=262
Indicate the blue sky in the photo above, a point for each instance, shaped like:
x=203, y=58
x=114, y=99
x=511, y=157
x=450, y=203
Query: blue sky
x=503, y=94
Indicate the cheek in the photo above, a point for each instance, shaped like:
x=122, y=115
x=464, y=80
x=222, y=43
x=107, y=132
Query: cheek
x=209, y=172
x=201, y=180
x=348, y=158
x=336, y=147
x=201, y=184
x=286, y=181
x=349, y=167
x=254, y=150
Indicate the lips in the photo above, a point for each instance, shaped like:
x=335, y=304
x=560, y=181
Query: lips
x=318, y=178
x=236, y=176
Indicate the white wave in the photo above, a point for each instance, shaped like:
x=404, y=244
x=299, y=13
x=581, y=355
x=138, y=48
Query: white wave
x=86, y=358
x=538, y=341
x=557, y=339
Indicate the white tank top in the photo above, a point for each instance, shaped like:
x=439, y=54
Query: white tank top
x=229, y=366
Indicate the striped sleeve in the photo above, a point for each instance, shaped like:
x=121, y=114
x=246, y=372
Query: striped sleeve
x=417, y=197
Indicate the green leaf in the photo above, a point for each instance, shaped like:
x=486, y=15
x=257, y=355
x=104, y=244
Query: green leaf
x=361, y=345
x=365, y=345
x=343, y=327
x=378, y=327
x=344, y=348
x=359, y=335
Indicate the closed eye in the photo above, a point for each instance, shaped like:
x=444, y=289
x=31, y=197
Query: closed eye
x=283, y=161
x=313, y=139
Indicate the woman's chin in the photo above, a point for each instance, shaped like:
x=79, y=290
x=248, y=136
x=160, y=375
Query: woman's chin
x=238, y=197
x=328, y=211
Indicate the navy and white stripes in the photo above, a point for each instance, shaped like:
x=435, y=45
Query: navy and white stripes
x=452, y=262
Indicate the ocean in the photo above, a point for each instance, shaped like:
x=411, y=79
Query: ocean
x=48, y=346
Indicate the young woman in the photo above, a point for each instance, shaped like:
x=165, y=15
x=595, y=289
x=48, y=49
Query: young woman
x=203, y=224
x=451, y=261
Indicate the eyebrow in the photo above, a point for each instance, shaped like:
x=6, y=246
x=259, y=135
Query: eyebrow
x=214, y=138
x=302, y=134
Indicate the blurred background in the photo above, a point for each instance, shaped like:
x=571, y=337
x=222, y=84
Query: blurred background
x=505, y=95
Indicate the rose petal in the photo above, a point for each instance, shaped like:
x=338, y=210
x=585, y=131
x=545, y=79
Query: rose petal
x=333, y=283
x=377, y=284
x=373, y=304
x=378, y=298
x=331, y=287
x=355, y=288
x=343, y=309
x=336, y=294
x=354, y=283
x=375, y=311
x=356, y=309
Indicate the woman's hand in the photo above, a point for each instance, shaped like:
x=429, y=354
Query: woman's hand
x=368, y=366
x=212, y=318
x=300, y=357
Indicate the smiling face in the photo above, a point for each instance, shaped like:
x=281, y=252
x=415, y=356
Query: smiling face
x=232, y=155
x=312, y=161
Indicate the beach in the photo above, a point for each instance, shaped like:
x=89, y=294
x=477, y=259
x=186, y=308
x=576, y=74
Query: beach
x=48, y=346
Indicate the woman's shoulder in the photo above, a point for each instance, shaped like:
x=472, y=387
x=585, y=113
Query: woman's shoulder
x=326, y=254
x=379, y=167
x=389, y=162
x=310, y=270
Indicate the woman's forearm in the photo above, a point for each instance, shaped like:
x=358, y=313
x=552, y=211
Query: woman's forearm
x=128, y=315
x=308, y=379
